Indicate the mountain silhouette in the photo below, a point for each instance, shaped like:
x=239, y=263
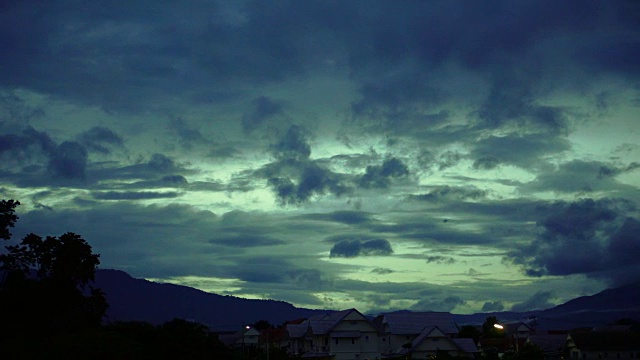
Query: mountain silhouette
x=132, y=299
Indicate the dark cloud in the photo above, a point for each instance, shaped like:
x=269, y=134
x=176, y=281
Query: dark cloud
x=438, y=259
x=346, y=217
x=311, y=279
x=68, y=161
x=292, y=145
x=135, y=195
x=245, y=240
x=354, y=248
x=26, y=146
x=262, y=109
x=379, y=176
x=381, y=271
x=100, y=139
x=445, y=304
x=293, y=177
x=449, y=193
x=518, y=150
x=301, y=181
x=538, y=301
x=448, y=159
x=161, y=163
x=578, y=176
x=584, y=237
x=490, y=306
x=187, y=136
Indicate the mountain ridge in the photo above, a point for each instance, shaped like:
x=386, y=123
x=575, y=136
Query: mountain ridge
x=132, y=299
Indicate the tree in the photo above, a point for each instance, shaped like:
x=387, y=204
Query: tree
x=470, y=332
x=8, y=217
x=488, y=328
x=530, y=352
x=47, y=283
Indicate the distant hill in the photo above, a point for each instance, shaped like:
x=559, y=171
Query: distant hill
x=586, y=311
x=133, y=299
x=143, y=300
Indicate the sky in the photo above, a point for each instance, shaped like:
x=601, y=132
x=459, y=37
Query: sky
x=462, y=156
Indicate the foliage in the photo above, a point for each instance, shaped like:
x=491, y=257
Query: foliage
x=261, y=325
x=488, y=329
x=470, y=332
x=46, y=284
x=8, y=217
x=530, y=352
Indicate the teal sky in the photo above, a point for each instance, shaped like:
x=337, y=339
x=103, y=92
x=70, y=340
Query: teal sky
x=423, y=155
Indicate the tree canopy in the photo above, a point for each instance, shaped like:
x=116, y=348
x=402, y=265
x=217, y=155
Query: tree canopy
x=47, y=283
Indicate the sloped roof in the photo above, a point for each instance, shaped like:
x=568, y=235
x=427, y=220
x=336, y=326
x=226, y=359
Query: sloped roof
x=297, y=330
x=324, y=324
x=412, y=323
x=466, y=345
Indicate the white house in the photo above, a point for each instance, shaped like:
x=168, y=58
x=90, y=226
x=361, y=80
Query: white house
x=342, y=335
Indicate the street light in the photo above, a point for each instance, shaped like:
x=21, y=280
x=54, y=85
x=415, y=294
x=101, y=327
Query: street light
x=514, y=336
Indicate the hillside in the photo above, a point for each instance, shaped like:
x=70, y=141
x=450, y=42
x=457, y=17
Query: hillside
x=143, y=300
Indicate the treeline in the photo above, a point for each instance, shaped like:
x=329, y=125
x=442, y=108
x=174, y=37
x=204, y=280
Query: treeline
x=49, y=308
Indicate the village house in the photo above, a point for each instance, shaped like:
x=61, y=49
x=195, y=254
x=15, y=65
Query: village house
x=432, y=342
x=402, y=328
x=349, y=335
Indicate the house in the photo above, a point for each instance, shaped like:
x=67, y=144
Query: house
x=248, y=337
x=402, y=328
x=603, y=345
x=295, y=339
x=433, y=342
x=551, y=344
x=342, y=335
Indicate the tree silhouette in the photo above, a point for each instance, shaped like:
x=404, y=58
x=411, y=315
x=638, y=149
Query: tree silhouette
x=8, y=217
x=488, y=329
x=46, y=287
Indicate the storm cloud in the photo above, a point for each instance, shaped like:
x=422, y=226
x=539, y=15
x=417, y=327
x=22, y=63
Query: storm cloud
x=465, y=144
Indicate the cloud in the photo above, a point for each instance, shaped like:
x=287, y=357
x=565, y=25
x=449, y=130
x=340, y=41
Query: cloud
x=134, y=195
x=438, y=259
x=292, y=145
x=538, y=301
x=578, y=176
x=29, y=145
x=451, y=193
x=245, y=240
x=445, y=304
x=525, y=151
x=345, y=217
x=262, y=109
x=490, y=306
x=583, y=237
x=295, y=183
x=311, y=279
x=355, y=248
x=100, y=139
x=378, y=176
x=68, y=161
x=186, y=135
x=382, y=271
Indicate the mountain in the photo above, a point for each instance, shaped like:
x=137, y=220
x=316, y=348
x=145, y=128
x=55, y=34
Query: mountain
x=133, y=299
x=586, y=311
x=143, y=300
